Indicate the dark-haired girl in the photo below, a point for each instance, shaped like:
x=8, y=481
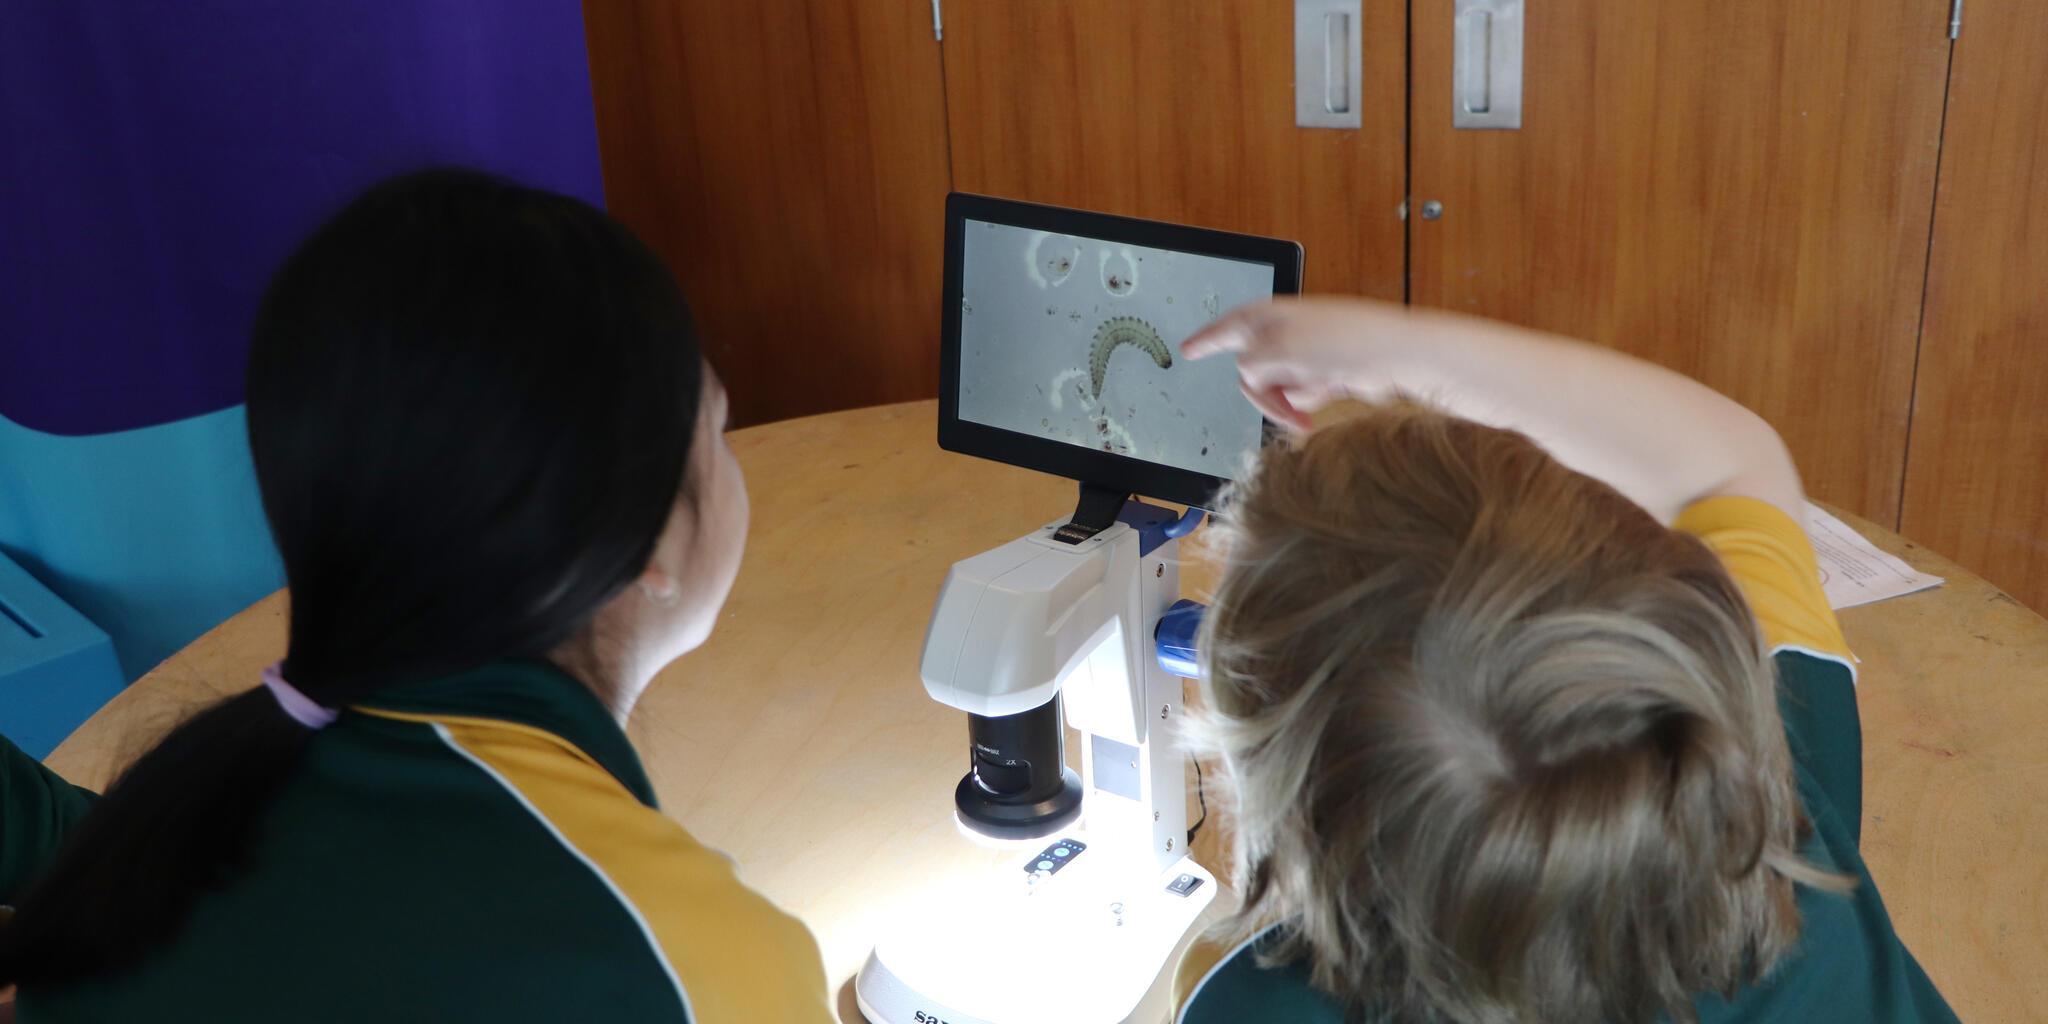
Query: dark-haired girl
x=491, y=457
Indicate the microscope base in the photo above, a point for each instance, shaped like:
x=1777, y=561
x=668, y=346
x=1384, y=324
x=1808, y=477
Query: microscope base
x=1017, y=951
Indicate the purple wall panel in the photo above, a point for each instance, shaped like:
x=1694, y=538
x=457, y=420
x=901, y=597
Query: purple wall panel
x=157, y=160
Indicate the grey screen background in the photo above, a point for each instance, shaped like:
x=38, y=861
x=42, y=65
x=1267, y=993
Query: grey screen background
x=1031, y=307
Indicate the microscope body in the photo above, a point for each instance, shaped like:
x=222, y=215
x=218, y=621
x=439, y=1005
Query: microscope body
x=1112, y=899
x=1040, y=620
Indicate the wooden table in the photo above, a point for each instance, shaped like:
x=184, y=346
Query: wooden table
x=800, y=740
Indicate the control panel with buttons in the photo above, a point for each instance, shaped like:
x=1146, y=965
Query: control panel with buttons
x=1050, y=860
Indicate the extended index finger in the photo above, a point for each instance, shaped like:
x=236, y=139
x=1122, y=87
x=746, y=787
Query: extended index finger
x=1231, y=332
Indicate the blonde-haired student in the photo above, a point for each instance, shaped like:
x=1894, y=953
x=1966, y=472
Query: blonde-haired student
x=1529, y=702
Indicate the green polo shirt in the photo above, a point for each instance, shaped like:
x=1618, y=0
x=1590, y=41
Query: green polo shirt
x=1850, y=966
x=481, y=848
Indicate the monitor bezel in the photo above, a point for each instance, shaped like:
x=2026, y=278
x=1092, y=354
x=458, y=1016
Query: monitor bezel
x=1061, y=458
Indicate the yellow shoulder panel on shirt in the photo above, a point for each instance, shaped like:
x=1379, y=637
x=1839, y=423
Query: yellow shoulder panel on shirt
x=734, y=955
x=1774, y=564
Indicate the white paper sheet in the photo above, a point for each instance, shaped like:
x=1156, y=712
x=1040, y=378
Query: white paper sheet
x=1852, y=570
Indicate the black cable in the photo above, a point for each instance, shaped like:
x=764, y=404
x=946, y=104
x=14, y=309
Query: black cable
x=1201, y=798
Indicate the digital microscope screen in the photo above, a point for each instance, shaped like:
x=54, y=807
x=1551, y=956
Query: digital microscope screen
x=1077, y=340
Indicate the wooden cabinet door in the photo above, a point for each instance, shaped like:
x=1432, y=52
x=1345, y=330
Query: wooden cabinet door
x=1977, y=478
x=1738, y=189
x=1182, y=110
x=788, y=160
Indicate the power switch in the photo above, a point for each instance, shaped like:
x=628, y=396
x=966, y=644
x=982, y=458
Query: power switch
x=1184, y=885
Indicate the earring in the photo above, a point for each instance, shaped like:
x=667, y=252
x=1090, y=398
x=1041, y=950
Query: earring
x=665, y=597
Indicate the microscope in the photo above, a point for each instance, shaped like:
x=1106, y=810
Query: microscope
x=1078, y=623
x=1081, y=616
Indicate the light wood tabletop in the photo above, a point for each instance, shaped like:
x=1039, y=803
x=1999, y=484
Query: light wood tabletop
x=800, y=741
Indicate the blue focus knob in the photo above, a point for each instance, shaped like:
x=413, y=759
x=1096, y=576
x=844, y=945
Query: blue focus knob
x=1175, y=637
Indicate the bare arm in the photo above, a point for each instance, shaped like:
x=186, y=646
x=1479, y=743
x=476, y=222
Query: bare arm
x=1660, y=438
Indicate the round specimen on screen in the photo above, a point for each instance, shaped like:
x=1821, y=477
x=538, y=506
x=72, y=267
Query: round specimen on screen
x=1049, y=259
x=1119, y=272
x=1124, y=330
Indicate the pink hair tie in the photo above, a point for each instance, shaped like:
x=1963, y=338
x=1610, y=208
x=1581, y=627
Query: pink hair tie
x=302, y=708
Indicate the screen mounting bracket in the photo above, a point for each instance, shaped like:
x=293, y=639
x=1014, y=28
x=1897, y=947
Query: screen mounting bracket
x=1094, y=512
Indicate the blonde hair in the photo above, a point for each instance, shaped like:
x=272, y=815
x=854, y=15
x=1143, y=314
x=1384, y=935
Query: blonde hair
x=1499, y=745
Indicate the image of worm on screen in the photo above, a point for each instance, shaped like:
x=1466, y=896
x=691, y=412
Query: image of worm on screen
x=1078, y=340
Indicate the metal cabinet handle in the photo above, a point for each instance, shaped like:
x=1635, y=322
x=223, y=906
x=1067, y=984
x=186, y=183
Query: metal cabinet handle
x=1487, y=64
x=1475, y=33
x=1328, y=63
x=1336, y=62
